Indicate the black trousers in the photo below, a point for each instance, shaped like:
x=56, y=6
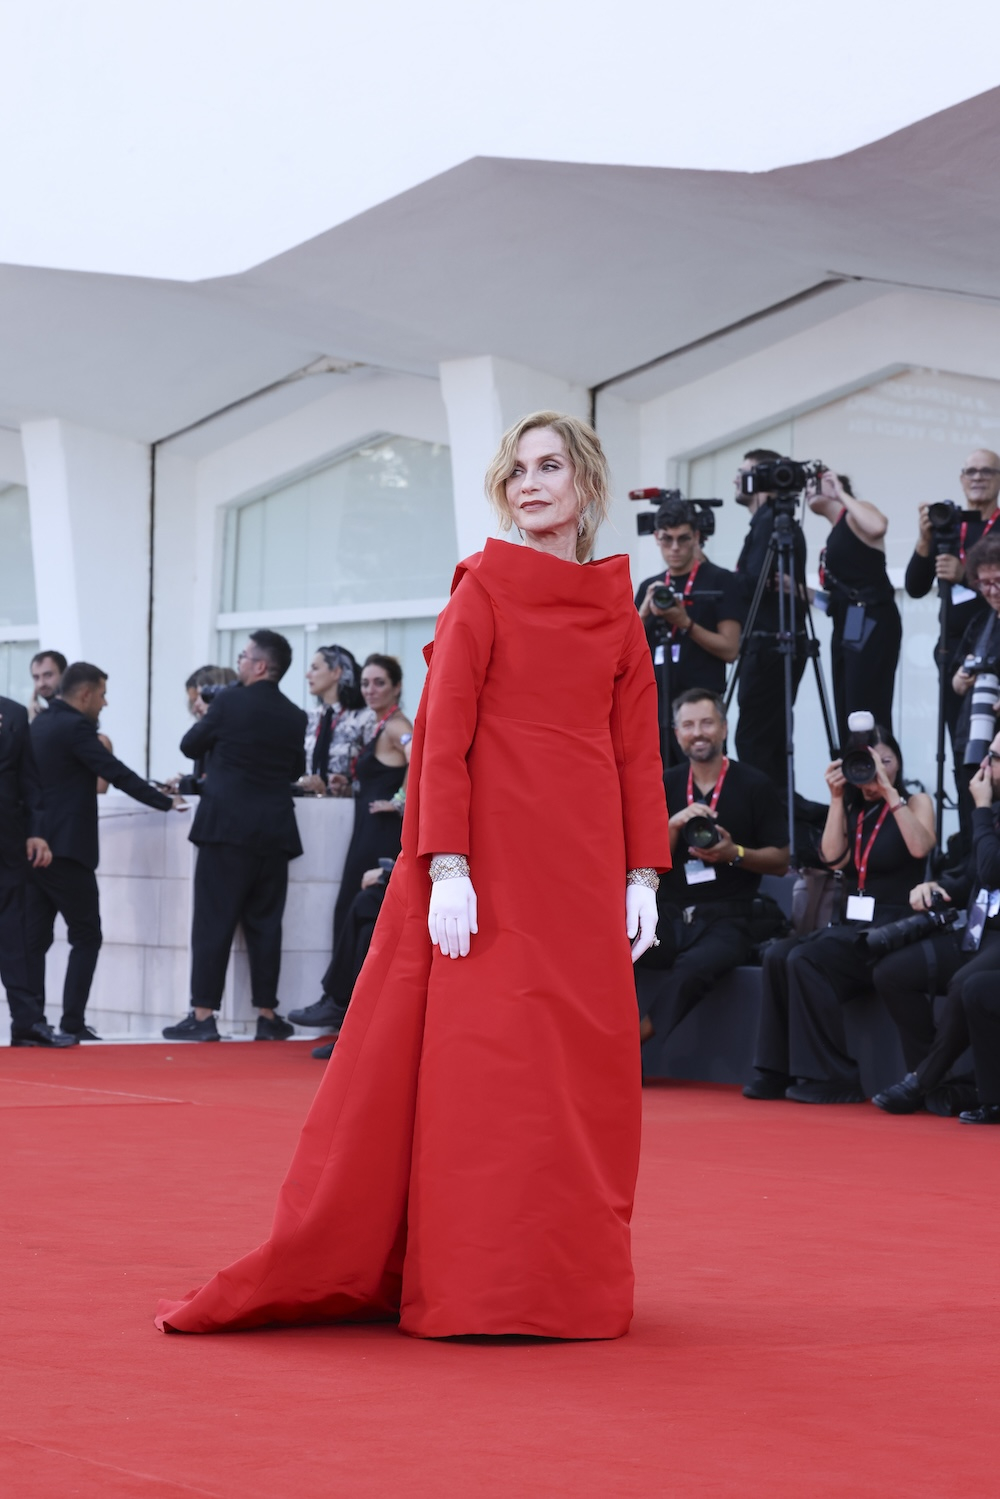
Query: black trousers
x=352, y=945
x=27, y=1005
x=760, y=732
x=908, y=981
x=69, y=890
x=807, y=981
x=981, y=998
x=864, y=679
x=232, y=887
x=699, y=954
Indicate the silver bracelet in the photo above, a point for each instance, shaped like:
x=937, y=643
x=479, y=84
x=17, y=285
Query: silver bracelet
x=647, y=877
x=449, y=867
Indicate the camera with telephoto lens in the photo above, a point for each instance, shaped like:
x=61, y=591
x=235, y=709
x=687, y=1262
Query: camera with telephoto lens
x=698, y=513
x=946, y=520
x=881, y=940
x=701, y=832
x=984, y=694
x=857, y=761
x=664, y=597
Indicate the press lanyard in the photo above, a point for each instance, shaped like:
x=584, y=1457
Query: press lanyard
x=382, y=723
x=687, y=590
x=718, y=786
x=965, y=531
x=861, y=859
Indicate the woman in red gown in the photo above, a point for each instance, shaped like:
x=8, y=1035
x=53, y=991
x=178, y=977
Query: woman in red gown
x=469, y=1161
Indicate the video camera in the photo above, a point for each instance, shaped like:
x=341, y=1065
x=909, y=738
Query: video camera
x=699, y=514
x=783, y=478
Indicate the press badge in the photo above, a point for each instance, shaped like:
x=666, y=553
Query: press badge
x=697, y=873
x=658, y=656
x=675, y=654
x=860, y=908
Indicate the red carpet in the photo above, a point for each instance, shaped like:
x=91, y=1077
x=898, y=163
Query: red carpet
x=817, y=1309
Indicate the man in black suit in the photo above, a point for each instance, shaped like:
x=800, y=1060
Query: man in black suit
x=71, y=759
x=246, y=833
x=21, y=847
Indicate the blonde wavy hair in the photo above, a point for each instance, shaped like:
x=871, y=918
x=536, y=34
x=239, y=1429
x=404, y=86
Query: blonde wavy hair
x=590, y=473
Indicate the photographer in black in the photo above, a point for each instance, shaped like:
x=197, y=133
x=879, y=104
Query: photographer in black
x=760, y=731
x=945, y=538
x=694, y=636
x=880, y=841
x=963, y=963
x=975, y=664
x=727, y=828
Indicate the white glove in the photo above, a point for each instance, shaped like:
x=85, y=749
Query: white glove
x=452, y=916
x=640, y=918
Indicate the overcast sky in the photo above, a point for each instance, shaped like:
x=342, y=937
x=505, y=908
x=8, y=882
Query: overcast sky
x=192, y=138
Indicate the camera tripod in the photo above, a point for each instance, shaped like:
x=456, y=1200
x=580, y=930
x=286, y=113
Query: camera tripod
x=781, y=557
x=942, y=656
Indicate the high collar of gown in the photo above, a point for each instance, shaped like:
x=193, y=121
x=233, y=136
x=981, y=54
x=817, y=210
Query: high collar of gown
x=505, y=568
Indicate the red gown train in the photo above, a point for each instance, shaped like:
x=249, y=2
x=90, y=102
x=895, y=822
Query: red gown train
x=469, y=1161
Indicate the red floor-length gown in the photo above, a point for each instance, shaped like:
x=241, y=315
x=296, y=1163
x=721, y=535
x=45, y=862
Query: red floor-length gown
x=469, y=1161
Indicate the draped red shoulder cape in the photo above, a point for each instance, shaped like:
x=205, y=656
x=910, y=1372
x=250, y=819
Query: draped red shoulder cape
x=469, y=1161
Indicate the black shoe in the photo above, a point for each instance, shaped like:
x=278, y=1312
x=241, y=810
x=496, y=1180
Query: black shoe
x=324, y=1053
x=808, y=1091
x=768, y=1084
x=41, y=1034
x=82, y=1033
x=987, y=1113
x=190, y=1029
x=324, y=1012
x=902, y=1098
x=952, y=1099
x=273, y=1030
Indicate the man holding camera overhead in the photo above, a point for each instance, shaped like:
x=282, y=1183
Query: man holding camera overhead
x=964, y=963
x=727, y=828
x=945, y=538
x=691, y=613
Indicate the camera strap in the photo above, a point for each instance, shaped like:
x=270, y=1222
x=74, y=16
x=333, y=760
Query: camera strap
x=718, y=785
x=964, y=531
x=686, y=593
x=861, y=859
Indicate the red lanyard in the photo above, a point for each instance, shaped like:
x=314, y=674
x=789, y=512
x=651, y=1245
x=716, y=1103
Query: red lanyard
x=861, y=859
x=382, y=723
x=965, y=531
x=718, y=785
x=687, y=589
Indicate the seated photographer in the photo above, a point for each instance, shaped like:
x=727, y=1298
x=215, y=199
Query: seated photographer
x=964, y=964
x=975, y=666
x=945, y=537
x=860, y=602
x=352, y=949
x=338, y=730
x=727, y=828
x=880, y=841
x=691, y=613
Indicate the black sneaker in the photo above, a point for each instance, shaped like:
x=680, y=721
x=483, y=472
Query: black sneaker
x=273, y=1030
x=324, y=1053
x=905, y=1097
x=84, y=1033
x=987, y=1113
x=324, y=1012
x=768, y=1084
x=41, y=1034
x=190, y=1029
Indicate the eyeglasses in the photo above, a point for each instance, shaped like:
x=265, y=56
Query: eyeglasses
x=979, y=473
x=992, y=756
x=988, y=585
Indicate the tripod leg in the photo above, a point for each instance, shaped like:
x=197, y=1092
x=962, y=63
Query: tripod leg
x=750, y=623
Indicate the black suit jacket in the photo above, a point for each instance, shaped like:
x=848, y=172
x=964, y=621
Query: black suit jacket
x=70, y=758
x=20, y=792
x=256, y=738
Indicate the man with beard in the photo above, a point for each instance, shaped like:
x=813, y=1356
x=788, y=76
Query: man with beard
x=709, y=899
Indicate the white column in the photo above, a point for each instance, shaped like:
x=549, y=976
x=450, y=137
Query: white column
x=89, y=498
x=483, y=397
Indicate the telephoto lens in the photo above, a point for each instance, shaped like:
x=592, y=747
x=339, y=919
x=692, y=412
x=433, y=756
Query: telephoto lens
x=896, y=934
x=982, y=719
x=701, y=832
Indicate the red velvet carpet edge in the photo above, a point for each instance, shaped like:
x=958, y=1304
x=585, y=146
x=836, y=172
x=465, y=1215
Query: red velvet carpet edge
x=816, y=1314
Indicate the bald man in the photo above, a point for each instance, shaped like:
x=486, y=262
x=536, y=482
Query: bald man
x=980, y=480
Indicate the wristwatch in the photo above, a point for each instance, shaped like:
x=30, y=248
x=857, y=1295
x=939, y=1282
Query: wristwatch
x=739, y=856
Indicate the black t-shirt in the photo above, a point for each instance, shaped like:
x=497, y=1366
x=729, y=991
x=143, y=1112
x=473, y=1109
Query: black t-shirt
x=694, y=667
x=919, y=579
x=750, y=810
x=749, y=566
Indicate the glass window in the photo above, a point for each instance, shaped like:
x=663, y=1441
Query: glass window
x=377, y=524
x=17, y=574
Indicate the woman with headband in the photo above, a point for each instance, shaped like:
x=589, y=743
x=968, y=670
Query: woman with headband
x=340, y=727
